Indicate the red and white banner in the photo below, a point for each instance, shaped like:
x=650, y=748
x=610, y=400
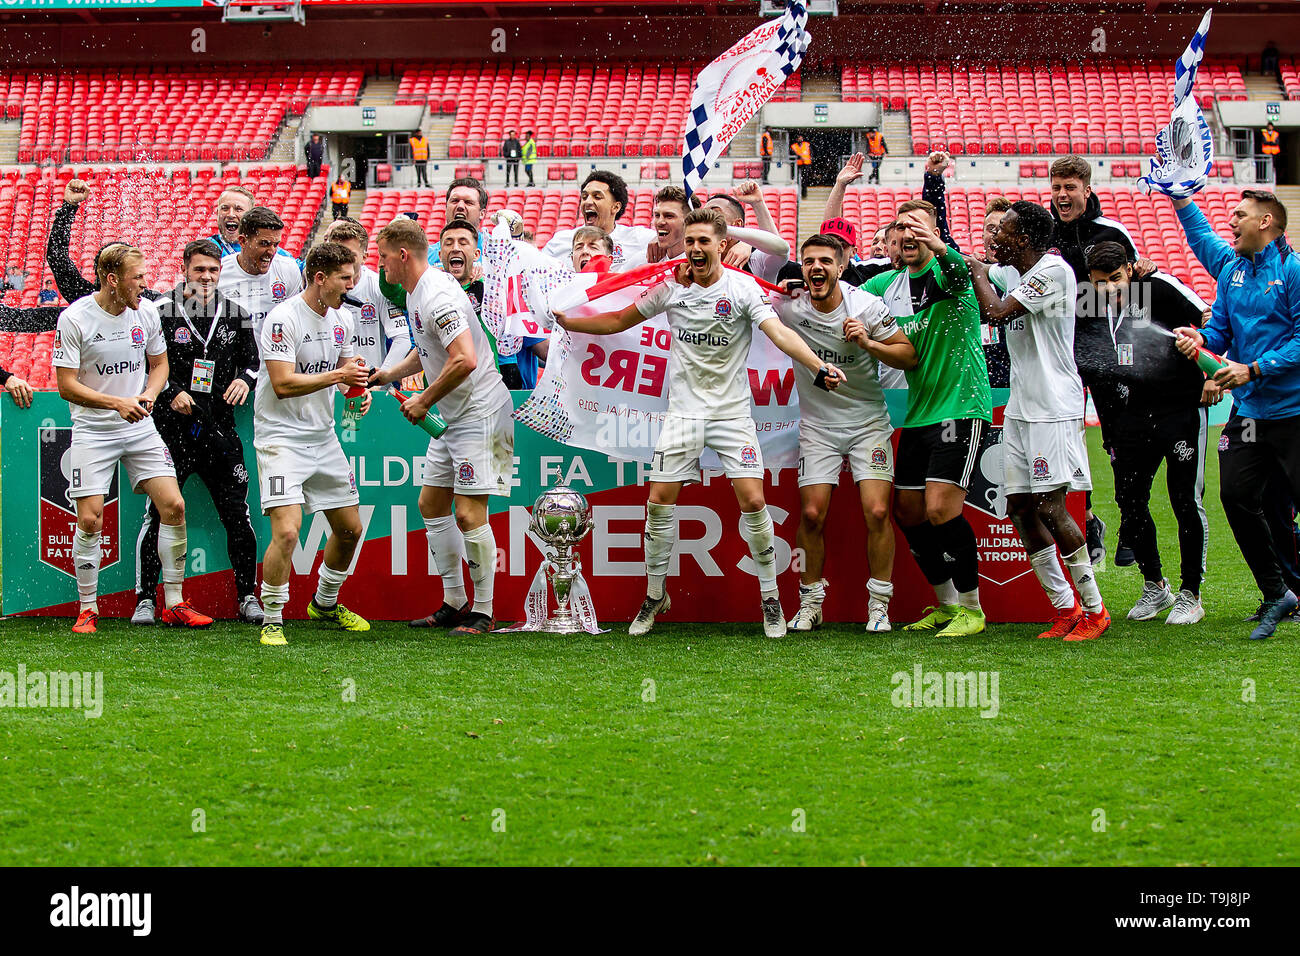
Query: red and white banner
x=609, y=393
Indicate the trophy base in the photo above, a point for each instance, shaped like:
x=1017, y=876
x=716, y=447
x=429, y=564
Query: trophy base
x=554, y=626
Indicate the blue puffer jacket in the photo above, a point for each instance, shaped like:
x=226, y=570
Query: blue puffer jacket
x=1256, y=316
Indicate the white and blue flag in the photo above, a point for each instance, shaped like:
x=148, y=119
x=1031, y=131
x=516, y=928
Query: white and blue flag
x=1185, y=147
x=731, y=90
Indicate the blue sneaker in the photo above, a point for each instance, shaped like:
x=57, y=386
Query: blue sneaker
x=1273, y=614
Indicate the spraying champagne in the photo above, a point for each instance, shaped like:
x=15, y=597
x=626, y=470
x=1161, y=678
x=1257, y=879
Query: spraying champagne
x=353, y=399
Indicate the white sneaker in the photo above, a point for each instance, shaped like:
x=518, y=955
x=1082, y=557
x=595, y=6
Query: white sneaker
x=1187, y=609
x=250, y=611
x=645, y=617
x=144, y=612
x=878, y=615
x=1156, y=597
x=773, y=619
x=809, y=616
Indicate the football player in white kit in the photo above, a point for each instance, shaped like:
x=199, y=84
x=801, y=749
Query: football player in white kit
x=380, y=332
x=110, y=360
x=854, y=330
x=257, y=277
x=712, y=320
x=475, y=456
x=307, y=351
x=604, y=202
x=1043, y=438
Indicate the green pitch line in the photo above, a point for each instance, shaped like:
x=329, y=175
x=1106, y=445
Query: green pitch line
x=700, y=744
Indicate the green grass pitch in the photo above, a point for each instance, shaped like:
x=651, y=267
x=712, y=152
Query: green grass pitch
x=541, y=750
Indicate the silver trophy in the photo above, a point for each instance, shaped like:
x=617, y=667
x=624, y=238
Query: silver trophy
x=562, y=518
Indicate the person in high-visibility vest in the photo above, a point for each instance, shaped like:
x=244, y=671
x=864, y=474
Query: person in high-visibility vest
x=1272, y=146
x=803, y=159
x=340, y=192
x=765, y=151
x=530, y=155
x=876, y=149
x=420, y=155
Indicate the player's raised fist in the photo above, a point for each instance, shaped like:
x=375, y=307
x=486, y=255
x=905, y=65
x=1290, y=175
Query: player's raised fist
x=749, y=192
x=76, y=191
x=937, y=162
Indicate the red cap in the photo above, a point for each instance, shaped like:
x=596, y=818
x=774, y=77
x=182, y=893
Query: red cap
x=842, y=229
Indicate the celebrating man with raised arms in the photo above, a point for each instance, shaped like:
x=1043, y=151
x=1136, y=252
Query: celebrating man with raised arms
x=712, y=320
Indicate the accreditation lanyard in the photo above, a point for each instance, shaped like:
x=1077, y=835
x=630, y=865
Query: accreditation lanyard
x=1123, y=351
x=204, y=369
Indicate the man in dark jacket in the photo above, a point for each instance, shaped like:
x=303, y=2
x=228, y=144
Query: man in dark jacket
x=511, y=151
x=1156, y=412
x=213, y=361
x=315, y=155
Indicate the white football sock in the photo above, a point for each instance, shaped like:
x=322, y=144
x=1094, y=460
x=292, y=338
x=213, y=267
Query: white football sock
x=171, y=552
x=481, y=556
x=970, y=599
x=757, y=532
x=1085, y=579
x=660, y=536
x=946, y=593
x=328, y=583
x=880, y=590
x=447, y=546
x=1052, y=578
x=274, y=598
x=86, y=555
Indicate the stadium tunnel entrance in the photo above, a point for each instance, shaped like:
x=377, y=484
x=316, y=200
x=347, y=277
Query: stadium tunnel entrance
x=830, y=148
x=364, y=149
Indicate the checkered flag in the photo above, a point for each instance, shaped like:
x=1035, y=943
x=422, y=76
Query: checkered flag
x=1185, y=147
x=731, y=90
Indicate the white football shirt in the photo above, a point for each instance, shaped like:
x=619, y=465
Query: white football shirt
x=108, y=352
x=1045, y=385
x=376, y=321
x=712, y=328
x=629, y=245
x=259, y=294
x=439, y=311
x=859, y=399
x=295, y=332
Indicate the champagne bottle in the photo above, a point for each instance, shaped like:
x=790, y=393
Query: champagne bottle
x=432, y=422
x=353, y=399
x=1208, y=362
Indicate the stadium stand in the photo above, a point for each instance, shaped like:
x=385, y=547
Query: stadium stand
x=1102, y=107
x=165, y=114
x=1150, y=219
x=158, y=209
x=545, y=211
x=576, y=108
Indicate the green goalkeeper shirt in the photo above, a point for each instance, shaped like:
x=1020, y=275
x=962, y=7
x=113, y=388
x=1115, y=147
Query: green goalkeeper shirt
x=938, y=312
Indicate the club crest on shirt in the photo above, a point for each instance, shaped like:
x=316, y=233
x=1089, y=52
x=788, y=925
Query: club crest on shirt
x=182, y=335
x=277, y=332
x=58, y=338
x=137, y=335
x=415, y=317
x=722, y=307
x=338, y=335
x=465, y=473
x=748, y=455
x=368, y=312
x=277, y=290
x=1041, y=471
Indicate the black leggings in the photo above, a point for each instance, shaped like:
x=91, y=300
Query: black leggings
x=1140, y=443
x=219, y=463
x=1258, y=458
